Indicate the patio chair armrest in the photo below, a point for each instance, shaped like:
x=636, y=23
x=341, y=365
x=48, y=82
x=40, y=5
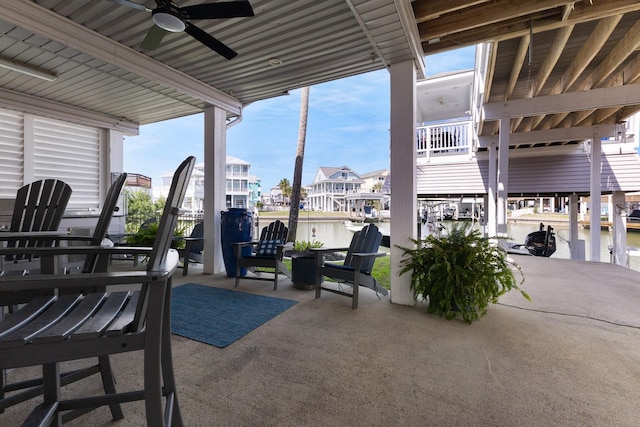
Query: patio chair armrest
x=49, y=235
x=369, y=254
x=57, y=281
x=190, y=239
x=238, y=246
x=282, y=248
x=77, y=250
x=329, y=249
x=318, y=254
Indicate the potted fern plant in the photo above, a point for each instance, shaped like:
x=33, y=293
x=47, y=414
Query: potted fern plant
x=460, y=272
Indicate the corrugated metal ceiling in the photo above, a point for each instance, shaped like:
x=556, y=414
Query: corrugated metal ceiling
x=316, y=42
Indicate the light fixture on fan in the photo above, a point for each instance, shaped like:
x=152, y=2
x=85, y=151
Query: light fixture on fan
x=168, y=20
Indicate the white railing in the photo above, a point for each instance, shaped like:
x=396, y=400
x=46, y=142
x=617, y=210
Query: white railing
x=444, y=139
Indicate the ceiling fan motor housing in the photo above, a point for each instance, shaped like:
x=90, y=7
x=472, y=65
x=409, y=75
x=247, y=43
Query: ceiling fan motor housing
x=168, y=19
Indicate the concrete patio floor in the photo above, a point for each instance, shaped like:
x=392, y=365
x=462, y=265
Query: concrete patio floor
x=569, y=358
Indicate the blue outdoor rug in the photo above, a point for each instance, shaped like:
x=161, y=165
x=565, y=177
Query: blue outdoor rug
x=220, y=316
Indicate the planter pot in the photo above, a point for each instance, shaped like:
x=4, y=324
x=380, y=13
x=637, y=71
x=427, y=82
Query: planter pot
x=303, y=271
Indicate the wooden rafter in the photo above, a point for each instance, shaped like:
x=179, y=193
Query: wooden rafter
x=627, y=45
x=514, y=26
x=557, y=47
x=588, y=51
x=484, y=14
x=518, y=61
x=432, y=9
x=566, y=10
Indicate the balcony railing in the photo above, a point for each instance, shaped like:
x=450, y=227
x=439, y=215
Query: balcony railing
x=444, y=139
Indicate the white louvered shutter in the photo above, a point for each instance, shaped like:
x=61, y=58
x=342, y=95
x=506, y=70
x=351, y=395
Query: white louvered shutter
x=11, y=152
x=69, y=152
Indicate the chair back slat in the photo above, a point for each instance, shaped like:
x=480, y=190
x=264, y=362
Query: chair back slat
x=167, y=225
x=274, y=231
x=102, y=226
x=169, y=218
x=366, y=240
x=39, y=206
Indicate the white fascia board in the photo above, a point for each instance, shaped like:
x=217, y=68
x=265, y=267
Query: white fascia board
x=552, y=135
x=35, y=18
x=56, y=110
x=408, y=21
x=575, y=101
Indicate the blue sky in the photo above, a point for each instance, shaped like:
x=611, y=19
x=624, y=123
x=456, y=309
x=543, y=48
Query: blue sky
x=348, y=125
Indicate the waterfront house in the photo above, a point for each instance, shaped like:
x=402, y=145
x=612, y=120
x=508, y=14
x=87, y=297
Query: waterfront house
x=242, y=189
x=328, y=192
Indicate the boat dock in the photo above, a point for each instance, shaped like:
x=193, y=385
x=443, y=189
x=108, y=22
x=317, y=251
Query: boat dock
x=631, y=226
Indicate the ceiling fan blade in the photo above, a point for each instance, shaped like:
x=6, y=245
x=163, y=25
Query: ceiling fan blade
x=131, y=5
x=153, y=38
x=209, y=41
x=228, y=9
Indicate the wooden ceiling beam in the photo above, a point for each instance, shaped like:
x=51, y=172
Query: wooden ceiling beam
x=627, y=45
x=483, y=15
x=518, y=61
x=567, y=9
x=620, y=52
x=583, y=58
x=425, y=10
x=503, y=31
x=628, y=75
x=570, y=101
x=491, y=67
x=509, y=29
x=587, y=52
x=557, y=47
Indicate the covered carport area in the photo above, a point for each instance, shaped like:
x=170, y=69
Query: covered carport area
x=549, y=65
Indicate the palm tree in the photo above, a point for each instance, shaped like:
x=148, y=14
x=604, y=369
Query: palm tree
x=294, y=208
x=285, y=188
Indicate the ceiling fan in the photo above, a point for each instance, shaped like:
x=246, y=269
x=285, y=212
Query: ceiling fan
x=168, y=17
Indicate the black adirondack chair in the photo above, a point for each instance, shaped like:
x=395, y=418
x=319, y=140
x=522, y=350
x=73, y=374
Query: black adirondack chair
x=268, y=252
x=54, y=328
x=13, y=393
x=357, y=266
x=193, y=247
x=38, y=207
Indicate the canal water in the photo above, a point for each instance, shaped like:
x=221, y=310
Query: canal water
x=335, y=234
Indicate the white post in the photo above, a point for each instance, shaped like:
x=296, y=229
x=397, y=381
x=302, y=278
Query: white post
x=490, y=208
x=503, y=174
x=595, y=194
x=573, y=227
x=403, y=173
x=619, y=241
x=215, y=159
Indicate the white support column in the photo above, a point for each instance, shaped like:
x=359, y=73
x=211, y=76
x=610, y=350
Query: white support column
x=215, y=159
x=503, y=174
x=490, y=208
x=403, y=172
x=619, y=241
x=576, y=245
x=595, y=194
